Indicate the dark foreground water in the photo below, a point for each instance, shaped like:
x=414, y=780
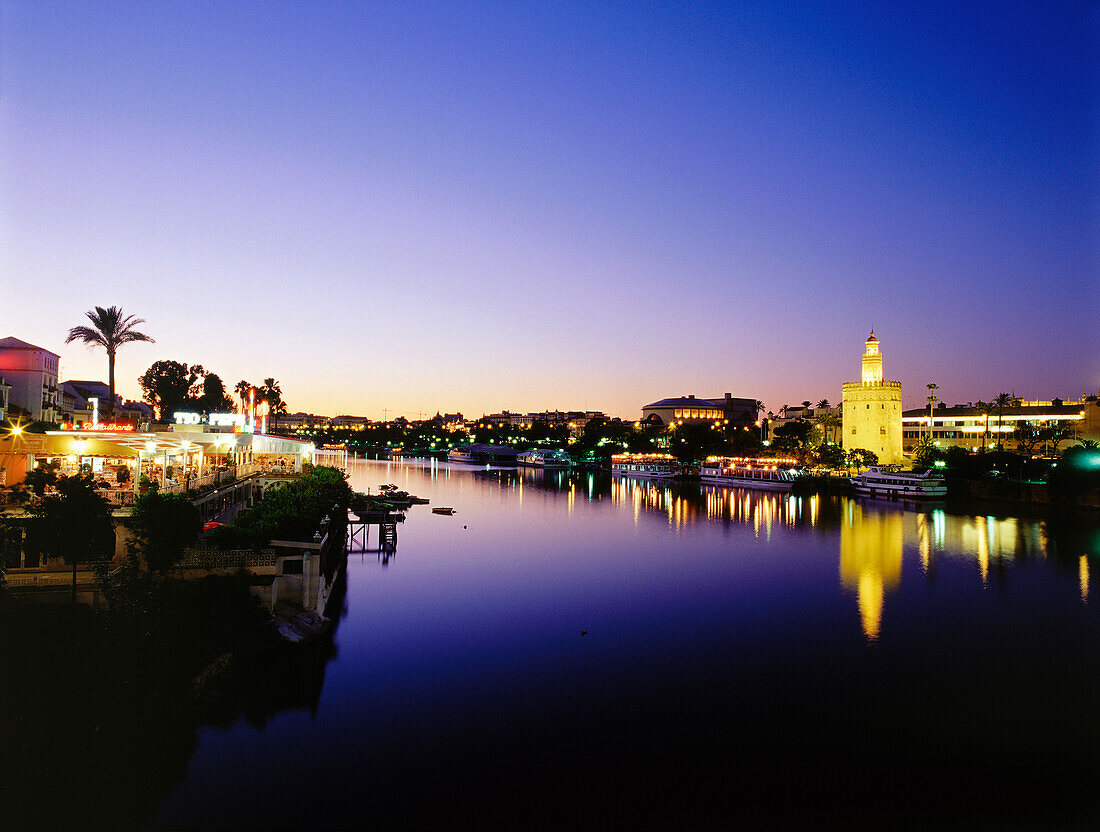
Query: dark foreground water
x=572, y=652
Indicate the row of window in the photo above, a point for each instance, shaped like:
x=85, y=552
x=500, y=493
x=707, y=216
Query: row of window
x=697, y=413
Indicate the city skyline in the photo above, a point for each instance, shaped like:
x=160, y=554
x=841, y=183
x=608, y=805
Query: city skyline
x=418, y=208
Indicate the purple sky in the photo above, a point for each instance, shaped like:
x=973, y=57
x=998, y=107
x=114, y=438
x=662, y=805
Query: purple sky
x=447, y=206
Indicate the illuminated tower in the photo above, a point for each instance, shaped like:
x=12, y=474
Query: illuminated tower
x=871, y=410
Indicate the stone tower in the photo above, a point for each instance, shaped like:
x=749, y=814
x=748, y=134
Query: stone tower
x=871, y=410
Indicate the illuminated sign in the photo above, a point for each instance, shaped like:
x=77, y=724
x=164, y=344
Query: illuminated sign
x=115, y=427
x=236, y=420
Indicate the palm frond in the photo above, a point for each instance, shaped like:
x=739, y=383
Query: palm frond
x=87, y=335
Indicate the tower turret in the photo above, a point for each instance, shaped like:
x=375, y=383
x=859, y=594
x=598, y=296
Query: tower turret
x=872, y=361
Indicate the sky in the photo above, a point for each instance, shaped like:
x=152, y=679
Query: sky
x=403, y=208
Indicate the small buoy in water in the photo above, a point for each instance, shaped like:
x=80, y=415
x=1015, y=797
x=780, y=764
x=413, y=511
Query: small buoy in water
x=584, y=632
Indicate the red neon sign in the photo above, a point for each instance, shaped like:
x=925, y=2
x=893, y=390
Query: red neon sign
x=115, y=427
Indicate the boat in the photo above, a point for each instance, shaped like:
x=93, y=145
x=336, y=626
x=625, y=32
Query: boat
x=482, y=454
x=645, y=466
x=894, y=481
x=767, y=474
x=443, y=510
x=544, y=458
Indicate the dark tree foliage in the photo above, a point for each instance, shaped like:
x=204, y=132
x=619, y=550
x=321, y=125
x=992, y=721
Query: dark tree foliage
x=163, y=525
x=214, y=398
x=170, y=386
x=40, y=479
x=290, y=513
x=690, y=443
x=830, y=456
x=73, y=522
x=791, y=436
x=861, y=457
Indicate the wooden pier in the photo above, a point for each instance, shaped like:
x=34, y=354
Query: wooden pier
x=359, y=532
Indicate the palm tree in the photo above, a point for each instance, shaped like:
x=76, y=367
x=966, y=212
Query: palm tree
x=823, y=403
x=1002, y=401
x=932, y=388
x=983, y=410
x=242, y=389
x=110, y=329
x=272, y=394
x=827, y=422
x=758, y=410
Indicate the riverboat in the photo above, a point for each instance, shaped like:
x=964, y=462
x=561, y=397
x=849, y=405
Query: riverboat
x=645, y=466
x=544, y=458
x=892, y=481
x=766, y=474
x=482, y=454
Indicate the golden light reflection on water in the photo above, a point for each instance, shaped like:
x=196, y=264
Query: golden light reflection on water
x=870, y=561
x=1083, y=577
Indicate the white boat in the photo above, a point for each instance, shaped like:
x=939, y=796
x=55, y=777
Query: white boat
x=893, y=481
x=765, y=474
x=645, y=466
x=482, y=454
x=544, y=458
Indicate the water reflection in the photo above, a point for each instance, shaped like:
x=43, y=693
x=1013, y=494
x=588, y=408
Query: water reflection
x=870, y=560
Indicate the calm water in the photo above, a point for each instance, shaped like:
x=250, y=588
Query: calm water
x=568, y=650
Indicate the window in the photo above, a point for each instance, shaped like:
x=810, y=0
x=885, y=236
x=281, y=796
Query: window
x=853, y=431
x=882, y=430
x=292, y=567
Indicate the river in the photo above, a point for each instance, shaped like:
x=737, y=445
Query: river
x=572, y=651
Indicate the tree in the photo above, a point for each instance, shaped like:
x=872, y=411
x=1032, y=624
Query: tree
x=792, y=435
x=1056, y=433
x=828, y=424
x=1002, y=401
x=932, y=388
x=272, y=395
x=824, y=403
x=73, y=523
x=170, y=385
x=830, y=456
x=214, y=398
x=984, y=409
x=110, y=329
x=861, y=457
x=1027, y=435
x=163, y=524
x=243, y=388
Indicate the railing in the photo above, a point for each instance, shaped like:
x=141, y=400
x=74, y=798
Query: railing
x=228, y=559
x=23, y=581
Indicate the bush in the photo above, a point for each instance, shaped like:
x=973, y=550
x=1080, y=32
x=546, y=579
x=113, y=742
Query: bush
x=295, y=511
x=164, y=524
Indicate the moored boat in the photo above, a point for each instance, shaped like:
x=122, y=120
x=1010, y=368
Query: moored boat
x=645, y=466
x=544, y=458
x=766, y=474
x=482, y=454
x=893, y=481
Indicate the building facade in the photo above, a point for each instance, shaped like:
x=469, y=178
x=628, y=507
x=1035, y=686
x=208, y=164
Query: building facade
x=686, y=410
x=871, y=410
x=32, y=373
x=975, y=428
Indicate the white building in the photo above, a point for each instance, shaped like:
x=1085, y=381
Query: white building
x=32, y=373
